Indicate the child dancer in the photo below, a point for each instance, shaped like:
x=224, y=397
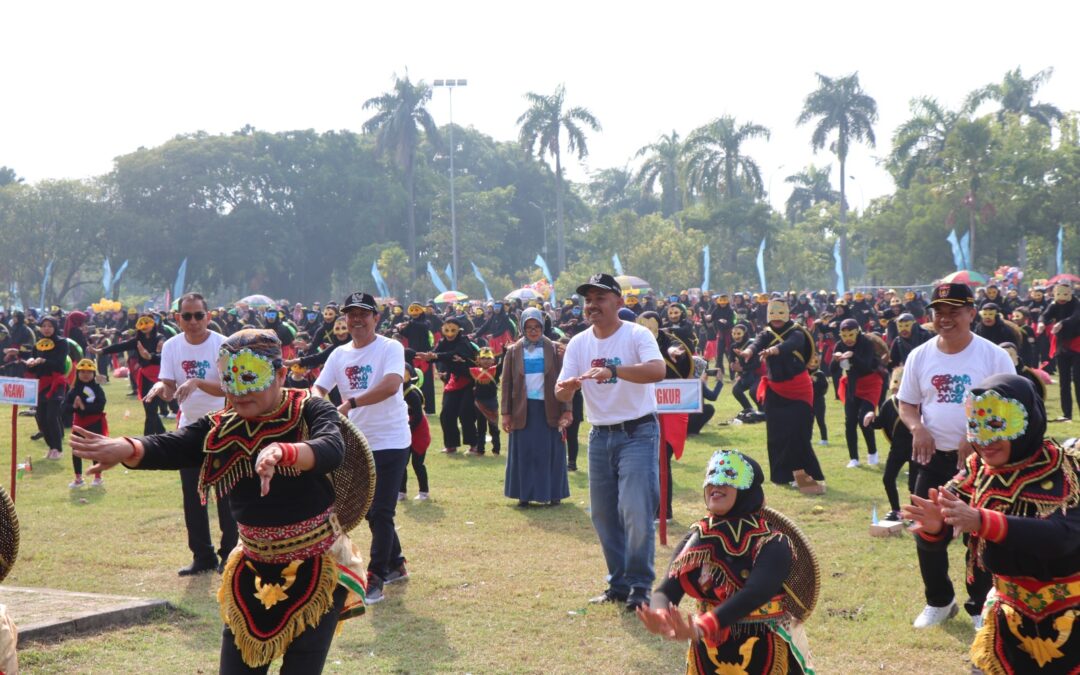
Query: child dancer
x=421, y=434
x=899, y=436
x=486, y=375
x=86, y=401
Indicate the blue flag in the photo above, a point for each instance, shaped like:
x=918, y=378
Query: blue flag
x=1061, y=240
x=380, y=283
x=957, y=254
x=45, y=284
x=106, y=277
x=449, y=272
x=761, y=263
x=480, y=278
x=116, y=277
x=705, y=264
x=965, y=251
x=539, y=262
x=435, y=280
x=617, y=265
x=178, y=286
x=840, y=285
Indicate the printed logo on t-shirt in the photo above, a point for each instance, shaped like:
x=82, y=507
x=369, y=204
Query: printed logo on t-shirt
x=604, y=363
x=951, y=388
x=358, y=377
x=195, y=369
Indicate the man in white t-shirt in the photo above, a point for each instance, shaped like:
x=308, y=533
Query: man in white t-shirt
x=615, y=363
x=938, y=374
x=189, y=375
x=369, y=373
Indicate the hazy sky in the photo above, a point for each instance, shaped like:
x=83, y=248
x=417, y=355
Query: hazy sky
x=85, y=82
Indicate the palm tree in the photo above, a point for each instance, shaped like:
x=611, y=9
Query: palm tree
x=842, y=106
x=1016, y=94
x=610, y=191
x=542, y=126
x=664, y=163
x=715, y=163
x=920, y=142
x=399, y=119
x=968, y=158
x=812, y=186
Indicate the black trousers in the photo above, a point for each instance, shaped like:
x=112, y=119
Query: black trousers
x=48, y=416
x=788, y=426
x=485, y=427
x=197, y=520
x=934, y=564
x=743, y=385
x=899, y=455
x=819, y=415
x=152, y=423
x=698, y=421
x=390, y=467
x=76, y=462
x=419, y=469
x=428, y=390
x=855, y=409
x=669, y=452
x=578, y=405
x=1068, y=379
x=458, y=406
x=306, y=654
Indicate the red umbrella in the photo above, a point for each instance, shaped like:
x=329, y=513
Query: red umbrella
x=1071, y=278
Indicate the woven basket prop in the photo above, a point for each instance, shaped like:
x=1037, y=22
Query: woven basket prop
x=354, y=480
x=9, y=534
x=804, y=581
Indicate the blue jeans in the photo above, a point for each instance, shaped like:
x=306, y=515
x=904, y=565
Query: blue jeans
x=624, y=493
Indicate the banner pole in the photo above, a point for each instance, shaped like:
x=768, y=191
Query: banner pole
x=14, y=447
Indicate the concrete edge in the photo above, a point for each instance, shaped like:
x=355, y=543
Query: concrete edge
x=92, y=621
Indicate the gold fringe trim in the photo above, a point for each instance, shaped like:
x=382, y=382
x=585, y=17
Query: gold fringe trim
x=255, y=652
x=982, y=648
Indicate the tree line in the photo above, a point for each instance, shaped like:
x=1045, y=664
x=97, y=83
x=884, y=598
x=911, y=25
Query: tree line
x=304, y=215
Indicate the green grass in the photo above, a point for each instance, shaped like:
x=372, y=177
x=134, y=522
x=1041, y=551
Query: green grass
x=494, y=588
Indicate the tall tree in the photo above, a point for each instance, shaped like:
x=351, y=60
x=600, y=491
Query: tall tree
x=400, y=117
x=8, y=176
x=541, y=131
x=664, y=163
x=715, y=160
x=840, y=105
x=919, y=142
x=969, y=158
x=610, y=190
x=1016, y=95
x=812, y=186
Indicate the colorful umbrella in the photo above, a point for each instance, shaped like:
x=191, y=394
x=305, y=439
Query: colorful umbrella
x=450, y=296
x=256, y=302
x=524, y=294
x=627, y=282
x=1071, y=278
x=965, y=277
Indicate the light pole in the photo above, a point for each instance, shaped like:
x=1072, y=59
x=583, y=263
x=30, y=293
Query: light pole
x=543, y=219
x=450, y=84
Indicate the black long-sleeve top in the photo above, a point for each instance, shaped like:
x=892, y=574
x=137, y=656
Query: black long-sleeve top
x=92, y=395
x=766, y=580
x=447, y=349
x=864, y=360
x=821, y=387
x=1068, y=315
x=888, y=420
x=794, y=351
x=497, y=324
x=55, y=358
x=418, y=333
x=318, y=358
x=151, y=343
x=902, y=346
x=414, y=401
x=291, y=498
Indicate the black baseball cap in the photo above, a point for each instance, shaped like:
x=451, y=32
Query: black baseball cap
x=958, y=295
x=604, y=282
x=359, y=300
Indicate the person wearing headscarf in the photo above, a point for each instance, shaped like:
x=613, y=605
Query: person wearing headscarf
x=147, y=345
x=417, y=333
x=453, y=356
x=534, y=419
x=887, y=418
x=48, y=363
x=860, y=387
x=1019, y=505
x=498, y=329
x=1062, y=317
x=747, y=374
x=734, y=563
x=785, y=348
x=295, y=573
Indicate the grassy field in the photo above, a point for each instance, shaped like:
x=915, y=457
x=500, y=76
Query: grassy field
x=493, y=588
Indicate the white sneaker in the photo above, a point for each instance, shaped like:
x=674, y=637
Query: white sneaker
x=401, y=496
x=421, y=497
x=77, y=483
x=872, y=459
x=932, y=616
x=98, y=481
x=977, y=621
x=853, y=464
x=823, y=441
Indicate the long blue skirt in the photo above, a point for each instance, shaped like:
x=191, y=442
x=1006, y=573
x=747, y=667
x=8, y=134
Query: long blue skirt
x=536, y=460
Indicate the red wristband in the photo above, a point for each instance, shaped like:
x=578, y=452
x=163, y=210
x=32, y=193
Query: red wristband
x=993, y=525
x=136, y=450
x=710, y=628
x=289, y=454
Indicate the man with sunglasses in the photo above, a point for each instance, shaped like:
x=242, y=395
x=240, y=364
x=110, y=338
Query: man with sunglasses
x=189, y=375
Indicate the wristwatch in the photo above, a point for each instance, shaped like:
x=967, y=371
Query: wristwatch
x=611, y=367
x=352, y=403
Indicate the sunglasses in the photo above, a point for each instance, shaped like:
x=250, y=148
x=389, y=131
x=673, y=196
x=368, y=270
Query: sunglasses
x=197, y=316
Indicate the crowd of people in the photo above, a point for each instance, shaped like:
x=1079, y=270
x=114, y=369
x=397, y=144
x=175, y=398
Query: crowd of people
x=907, y=363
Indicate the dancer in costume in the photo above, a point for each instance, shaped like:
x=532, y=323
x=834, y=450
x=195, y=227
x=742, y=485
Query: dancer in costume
x=751, y=573
x=49, y=362
x=455, y=354
x=747, y=373
x=1064, y=315
x=417, y=333
x=486, y=374
x=86, y=403
x=1019, y=502
x=788, y=395
x=887, y=418
x=146, y=344
x=421, y=435
x=860, y=387
x=295, y=572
